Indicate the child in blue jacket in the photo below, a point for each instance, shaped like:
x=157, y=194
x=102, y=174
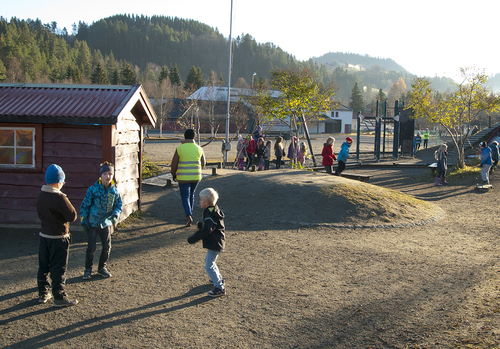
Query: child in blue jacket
x=485, y=162
x=99, y=212
x=343, y=155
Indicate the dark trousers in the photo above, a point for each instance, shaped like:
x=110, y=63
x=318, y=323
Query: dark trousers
x=249, y=160
x=52, y=258
x=105, y=236
x=278, y=162
x=340, y=168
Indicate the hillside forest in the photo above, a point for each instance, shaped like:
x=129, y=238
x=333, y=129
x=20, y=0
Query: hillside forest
x=183, y=54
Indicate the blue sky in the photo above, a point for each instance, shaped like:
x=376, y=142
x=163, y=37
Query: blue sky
x=426, y=37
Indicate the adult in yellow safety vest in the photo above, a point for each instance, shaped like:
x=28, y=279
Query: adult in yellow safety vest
x=186, y=168
x=426, y=138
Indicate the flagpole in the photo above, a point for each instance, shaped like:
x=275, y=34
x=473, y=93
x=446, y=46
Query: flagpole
x=229, y=81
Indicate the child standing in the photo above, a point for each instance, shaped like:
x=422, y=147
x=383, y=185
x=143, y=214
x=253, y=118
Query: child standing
x=328, y=155
x=211, y=231
x=267, y=155
x=279, y=152
x=250, y=150
x=241, y=153
x=441, y=156
x=494, y=155
x=418, y=141
x=99, y=212
x=302, y=153
x=343, y=155
x=259, y=152
x=56, y=212
x=485, y=162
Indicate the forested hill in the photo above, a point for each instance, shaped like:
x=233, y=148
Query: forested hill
x=367, y=62
x=187, y=43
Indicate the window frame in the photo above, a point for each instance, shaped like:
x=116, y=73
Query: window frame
x=37, y=147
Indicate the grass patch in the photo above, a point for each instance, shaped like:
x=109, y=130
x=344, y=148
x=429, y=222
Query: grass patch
x=468, y=172
x=372, y=202
x=131, y=219
x=150, y=169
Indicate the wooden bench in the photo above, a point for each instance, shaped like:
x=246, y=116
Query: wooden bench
x=355, y=176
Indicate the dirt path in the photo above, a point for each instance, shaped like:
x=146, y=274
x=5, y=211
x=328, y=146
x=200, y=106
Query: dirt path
x=292, y=282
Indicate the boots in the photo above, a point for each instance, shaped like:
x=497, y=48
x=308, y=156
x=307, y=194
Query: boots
x=437, y=182
x=443, y=181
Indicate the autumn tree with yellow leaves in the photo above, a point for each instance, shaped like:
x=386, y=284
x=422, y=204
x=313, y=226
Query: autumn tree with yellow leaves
x=456, y=110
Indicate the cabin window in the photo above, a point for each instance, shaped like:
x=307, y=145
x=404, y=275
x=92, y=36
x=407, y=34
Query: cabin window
x=17, y=147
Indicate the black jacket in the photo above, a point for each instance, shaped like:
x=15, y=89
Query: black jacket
x=211, y=230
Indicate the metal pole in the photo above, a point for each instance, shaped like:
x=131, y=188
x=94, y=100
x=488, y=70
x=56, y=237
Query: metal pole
x=229, y=80
x=358, y=138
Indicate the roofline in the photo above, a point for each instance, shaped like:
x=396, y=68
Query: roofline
x=67, y=86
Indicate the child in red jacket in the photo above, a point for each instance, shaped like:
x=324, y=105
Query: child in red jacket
x=328, y=155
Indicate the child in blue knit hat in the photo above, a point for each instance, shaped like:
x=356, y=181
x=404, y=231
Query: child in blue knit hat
x=55, y=212
x=99, y=212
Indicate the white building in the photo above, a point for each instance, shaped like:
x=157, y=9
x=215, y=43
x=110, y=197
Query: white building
x=335, y=121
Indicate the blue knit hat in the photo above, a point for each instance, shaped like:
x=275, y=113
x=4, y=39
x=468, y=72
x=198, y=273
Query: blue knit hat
x=54, y=174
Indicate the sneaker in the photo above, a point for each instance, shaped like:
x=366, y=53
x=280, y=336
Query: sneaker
x=104, y=273
x=87, y=274
x=44, y=297
x=65, y=302
x=217, y=292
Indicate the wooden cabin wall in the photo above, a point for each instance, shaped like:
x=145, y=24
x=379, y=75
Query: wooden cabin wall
x=77, y=149
x=126, y=139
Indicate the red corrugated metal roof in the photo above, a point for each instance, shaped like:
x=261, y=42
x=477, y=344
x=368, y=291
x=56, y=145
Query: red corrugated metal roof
x=58, y=100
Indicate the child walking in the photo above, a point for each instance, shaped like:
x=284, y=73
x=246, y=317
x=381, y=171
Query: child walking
x=485, y=162
x=267, y=155
x=55, y=212
x=441, y=156
x=328, y=155
x=99, y=212
x=211, y=231
x=343, y=155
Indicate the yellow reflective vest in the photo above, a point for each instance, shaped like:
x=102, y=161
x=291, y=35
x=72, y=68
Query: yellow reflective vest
x=189, y=167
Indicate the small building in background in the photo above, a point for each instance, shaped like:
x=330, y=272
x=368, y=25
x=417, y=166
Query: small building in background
x=76, y=127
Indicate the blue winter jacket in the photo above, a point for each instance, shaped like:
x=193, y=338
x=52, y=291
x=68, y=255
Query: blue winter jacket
x=494, y=152
x=100, y=204
x=486, y=156
x=344, y=152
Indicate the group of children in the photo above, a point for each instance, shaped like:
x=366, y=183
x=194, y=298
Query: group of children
x=329, y=156
x=251, y=148
x=489, y=156
x=99, y=213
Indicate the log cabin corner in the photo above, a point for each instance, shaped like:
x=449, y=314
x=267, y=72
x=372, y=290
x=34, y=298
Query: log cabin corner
x=77, y=127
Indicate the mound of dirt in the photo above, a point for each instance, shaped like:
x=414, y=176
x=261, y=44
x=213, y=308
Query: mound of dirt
x=312, y=198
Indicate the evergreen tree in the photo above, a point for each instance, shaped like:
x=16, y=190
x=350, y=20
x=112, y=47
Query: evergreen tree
x=99, y=75
x=115, y=77
x=163, y=74
x=194, y=80
x=128, y=75
x=356, y=104
x=175, y=78
x=2, y=71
